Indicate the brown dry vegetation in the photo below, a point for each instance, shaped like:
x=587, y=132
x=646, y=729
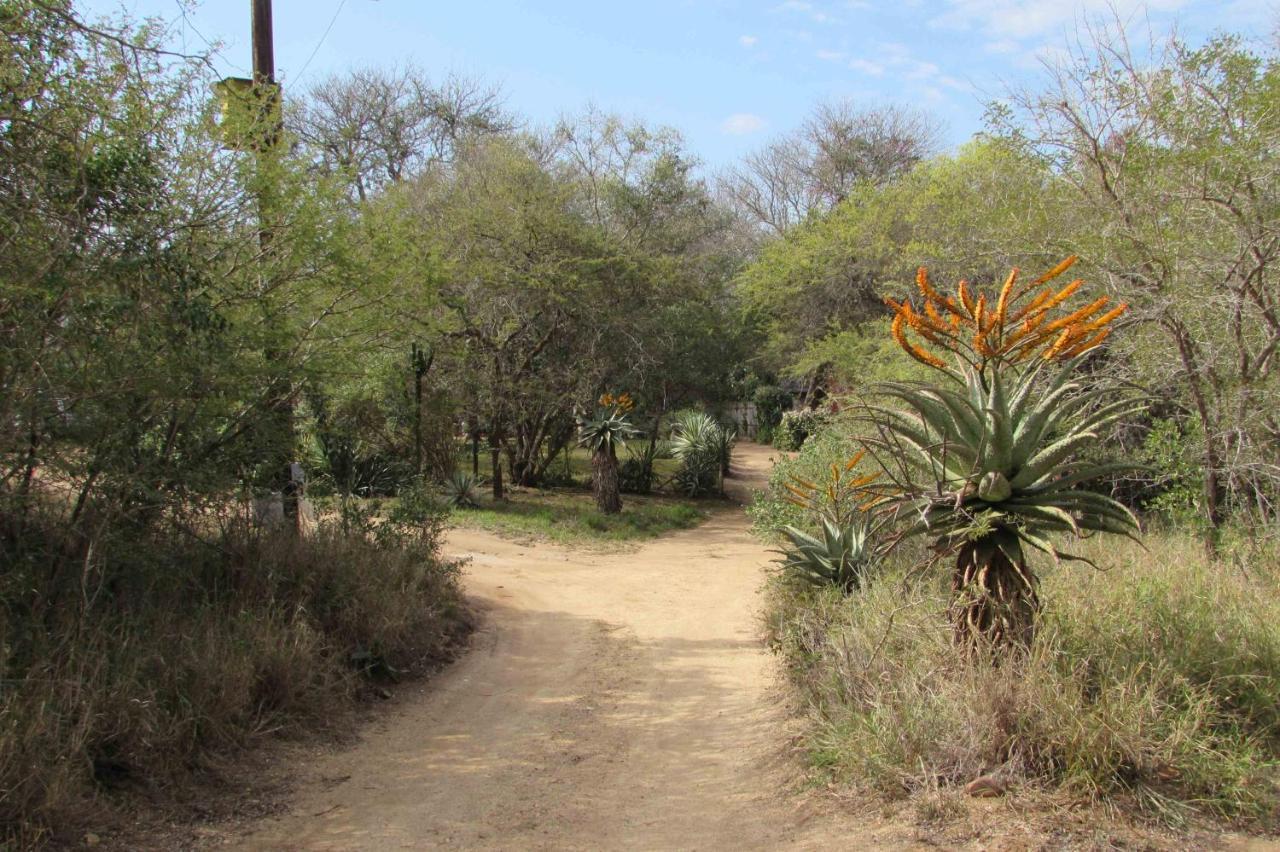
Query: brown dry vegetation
x=1152, y=688
x=133, y=662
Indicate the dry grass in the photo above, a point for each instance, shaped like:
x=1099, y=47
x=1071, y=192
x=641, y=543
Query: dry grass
x=133, y=664
x=1153, y=688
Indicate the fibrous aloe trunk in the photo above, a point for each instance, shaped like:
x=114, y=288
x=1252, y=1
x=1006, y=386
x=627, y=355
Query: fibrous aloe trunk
x=994, y=601
x=604, y=480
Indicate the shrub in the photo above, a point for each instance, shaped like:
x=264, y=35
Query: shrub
x=635, y=476
x=796, y=427
x=1155, y=684
x=770, y=401
x=771, y=509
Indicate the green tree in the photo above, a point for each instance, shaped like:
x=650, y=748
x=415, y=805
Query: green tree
x=1167, y=167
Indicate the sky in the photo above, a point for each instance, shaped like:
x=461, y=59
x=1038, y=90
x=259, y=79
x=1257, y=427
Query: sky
x=728, y=75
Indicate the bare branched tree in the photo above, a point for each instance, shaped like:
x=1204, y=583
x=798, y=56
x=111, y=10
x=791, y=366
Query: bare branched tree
x=378, y=126
x=1171, y=153
x=816, y=167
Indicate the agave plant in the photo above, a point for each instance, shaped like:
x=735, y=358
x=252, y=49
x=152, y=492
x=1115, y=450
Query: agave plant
x=462, y=490
x=989, y=458
x=604, y=436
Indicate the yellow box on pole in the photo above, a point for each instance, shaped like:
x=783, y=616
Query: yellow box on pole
x=249, y=113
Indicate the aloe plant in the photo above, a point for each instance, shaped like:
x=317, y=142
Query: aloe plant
x=604, y=435
x=462, y=490
x=988, y=459
x=841, y=555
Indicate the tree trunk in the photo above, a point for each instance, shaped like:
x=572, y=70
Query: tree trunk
x=1213, y=490
x=604, y=479
x=495, y=457
x=994, y=603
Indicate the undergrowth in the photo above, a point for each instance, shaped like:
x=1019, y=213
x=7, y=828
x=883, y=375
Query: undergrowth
x=131, y=660
x=1153, y=686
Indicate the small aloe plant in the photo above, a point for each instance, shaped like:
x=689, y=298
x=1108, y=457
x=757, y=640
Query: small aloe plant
x=840, y=556
x=462, y=490
x=844, y=553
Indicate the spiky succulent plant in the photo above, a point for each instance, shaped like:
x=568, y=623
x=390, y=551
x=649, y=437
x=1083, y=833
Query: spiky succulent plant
x=840, y=555
x=844, y=551
x=604, y=435
x=1009, y=459
x=989, y=458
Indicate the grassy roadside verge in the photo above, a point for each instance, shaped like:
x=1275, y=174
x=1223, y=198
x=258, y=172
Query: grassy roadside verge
x=1153, y=692
x=131, y=666
x=569, y=517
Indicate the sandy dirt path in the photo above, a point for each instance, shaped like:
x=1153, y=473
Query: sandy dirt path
x=609, y=701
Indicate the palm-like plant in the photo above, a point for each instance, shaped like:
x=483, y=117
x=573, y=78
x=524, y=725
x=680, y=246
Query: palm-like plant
x=988, y=459
x=462, y=490
x=604, y=436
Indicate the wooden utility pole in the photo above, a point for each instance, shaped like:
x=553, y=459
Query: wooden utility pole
x=264, y=53
x=286, y=475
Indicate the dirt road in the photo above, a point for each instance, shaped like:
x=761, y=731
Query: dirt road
x=615, y=701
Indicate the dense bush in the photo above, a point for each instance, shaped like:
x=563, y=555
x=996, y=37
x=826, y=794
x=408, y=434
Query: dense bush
x=1155, y=683
x=796, y=427
x=134, y=657
x=770, y=401
x=771, y=509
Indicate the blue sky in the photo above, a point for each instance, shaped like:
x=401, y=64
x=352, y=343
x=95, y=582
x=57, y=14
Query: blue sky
x=728, y=75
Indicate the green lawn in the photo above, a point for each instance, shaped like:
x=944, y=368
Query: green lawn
x=570, y=517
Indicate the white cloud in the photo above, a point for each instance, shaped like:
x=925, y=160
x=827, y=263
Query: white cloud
x=1014, y=19
x=866, y=66
x=803, y=7
x=1003, y=46
x=902, y=60
x=748, y=41
x=831, y=55
x=922, y=71
x=742, y=124
x=955, y=83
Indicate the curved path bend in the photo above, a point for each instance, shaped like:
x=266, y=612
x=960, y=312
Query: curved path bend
x=609, y=701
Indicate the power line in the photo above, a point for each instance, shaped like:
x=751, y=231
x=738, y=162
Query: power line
x=323, y=36
x=214, y=50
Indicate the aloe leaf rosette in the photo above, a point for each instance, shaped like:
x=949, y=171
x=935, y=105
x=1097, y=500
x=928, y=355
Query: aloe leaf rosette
x=990, y=458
